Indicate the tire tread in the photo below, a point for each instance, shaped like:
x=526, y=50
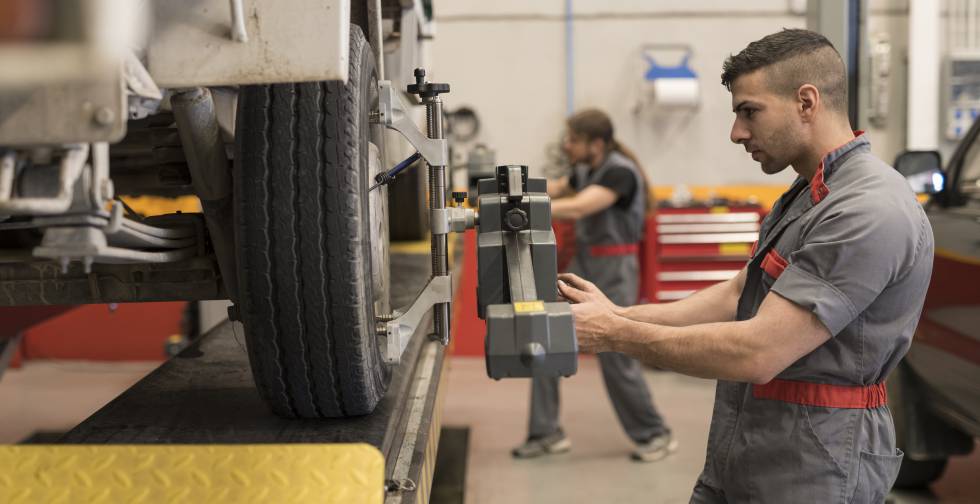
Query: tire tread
x=304, y=255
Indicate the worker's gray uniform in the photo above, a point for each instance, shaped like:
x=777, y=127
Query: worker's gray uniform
x=618, y=276
x=858, y=254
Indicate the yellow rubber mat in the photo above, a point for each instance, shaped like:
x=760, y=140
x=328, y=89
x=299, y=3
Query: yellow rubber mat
x=295, y=473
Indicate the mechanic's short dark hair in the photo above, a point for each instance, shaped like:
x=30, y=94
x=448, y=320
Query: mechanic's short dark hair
x=792, y=58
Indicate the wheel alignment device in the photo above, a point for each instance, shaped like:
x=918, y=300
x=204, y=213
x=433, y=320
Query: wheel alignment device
x=529, y=333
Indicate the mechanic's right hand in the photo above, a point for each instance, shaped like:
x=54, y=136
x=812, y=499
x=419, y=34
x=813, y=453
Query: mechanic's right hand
x=579, y=290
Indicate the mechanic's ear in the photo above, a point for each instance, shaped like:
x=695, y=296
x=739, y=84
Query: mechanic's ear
x=808, y=98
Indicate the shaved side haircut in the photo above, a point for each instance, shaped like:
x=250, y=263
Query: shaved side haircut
x=790, y=59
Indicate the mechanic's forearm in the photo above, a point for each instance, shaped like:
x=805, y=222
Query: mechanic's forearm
x=724, y=350
x=717, y=303
x=566, y=208
x=558, y=188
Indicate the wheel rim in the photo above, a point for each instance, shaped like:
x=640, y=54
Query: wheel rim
x=378, y=217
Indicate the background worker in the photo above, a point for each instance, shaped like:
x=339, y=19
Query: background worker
x=606, y=196
x=801, y=340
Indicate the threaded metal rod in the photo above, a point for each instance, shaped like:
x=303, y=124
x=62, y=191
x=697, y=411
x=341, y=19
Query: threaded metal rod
x=437, y=200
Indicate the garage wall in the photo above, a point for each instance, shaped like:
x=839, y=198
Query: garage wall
x=891, y=19
x=506, y=59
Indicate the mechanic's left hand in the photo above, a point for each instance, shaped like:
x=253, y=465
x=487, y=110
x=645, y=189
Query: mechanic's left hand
x=593, y=321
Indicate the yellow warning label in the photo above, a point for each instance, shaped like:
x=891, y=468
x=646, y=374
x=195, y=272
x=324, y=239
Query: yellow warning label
x=741, y=249
x=719, y=209
x=528, y=306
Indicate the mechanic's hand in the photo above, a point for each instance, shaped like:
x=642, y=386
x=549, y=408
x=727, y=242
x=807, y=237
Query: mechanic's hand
x=593, y=322
x=593, y=312
x=579, y=290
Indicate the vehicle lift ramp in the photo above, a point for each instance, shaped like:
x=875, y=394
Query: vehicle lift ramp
x=196, y=430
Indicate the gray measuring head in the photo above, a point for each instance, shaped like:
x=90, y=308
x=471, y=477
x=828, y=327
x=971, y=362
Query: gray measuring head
x=529, y=332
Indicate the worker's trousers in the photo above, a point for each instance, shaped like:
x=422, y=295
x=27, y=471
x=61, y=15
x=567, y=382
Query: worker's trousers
x=627, y=390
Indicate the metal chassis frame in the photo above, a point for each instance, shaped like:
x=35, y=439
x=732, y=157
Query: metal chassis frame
x=192, y=279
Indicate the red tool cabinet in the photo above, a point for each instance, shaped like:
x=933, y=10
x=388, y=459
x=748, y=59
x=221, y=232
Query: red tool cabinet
x=688, y=249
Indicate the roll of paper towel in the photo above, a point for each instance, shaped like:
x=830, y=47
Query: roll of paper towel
x=676, y=92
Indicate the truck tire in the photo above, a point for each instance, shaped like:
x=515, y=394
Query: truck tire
x=312, y=243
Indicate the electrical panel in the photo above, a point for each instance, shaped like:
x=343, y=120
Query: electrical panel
x=962, y=93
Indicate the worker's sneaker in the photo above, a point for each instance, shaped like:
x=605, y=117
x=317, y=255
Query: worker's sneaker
x=537, y=446
x=655, y=449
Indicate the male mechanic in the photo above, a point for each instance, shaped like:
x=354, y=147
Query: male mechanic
x=802, y=339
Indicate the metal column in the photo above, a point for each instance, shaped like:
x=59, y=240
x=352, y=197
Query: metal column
x=437, y=201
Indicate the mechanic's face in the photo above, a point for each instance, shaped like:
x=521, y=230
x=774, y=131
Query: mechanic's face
x=766, y=123
x=579, y=149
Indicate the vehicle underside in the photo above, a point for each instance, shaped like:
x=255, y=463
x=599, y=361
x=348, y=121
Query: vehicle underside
x=279, y=158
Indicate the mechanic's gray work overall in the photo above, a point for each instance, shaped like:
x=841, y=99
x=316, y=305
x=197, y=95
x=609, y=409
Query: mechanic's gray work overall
x=617, y=275
x=858, y=252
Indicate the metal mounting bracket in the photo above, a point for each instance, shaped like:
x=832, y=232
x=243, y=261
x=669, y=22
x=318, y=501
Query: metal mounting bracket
x=399, y=330
x=70, y=168
x=391, y=113
x=452, y=220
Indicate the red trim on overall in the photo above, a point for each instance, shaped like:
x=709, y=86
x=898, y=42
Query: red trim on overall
x=818, y=189
x=619, y=249
x=821, y=394
x=774, y=264
x=755, y=246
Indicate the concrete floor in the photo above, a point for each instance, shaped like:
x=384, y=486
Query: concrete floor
x=598, y=468
x=55, y=396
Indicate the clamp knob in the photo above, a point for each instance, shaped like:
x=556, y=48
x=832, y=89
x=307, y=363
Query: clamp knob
x=426, y=89
x=515, y=219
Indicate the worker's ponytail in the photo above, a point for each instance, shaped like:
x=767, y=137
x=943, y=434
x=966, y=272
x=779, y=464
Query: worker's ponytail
x=593, y=124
